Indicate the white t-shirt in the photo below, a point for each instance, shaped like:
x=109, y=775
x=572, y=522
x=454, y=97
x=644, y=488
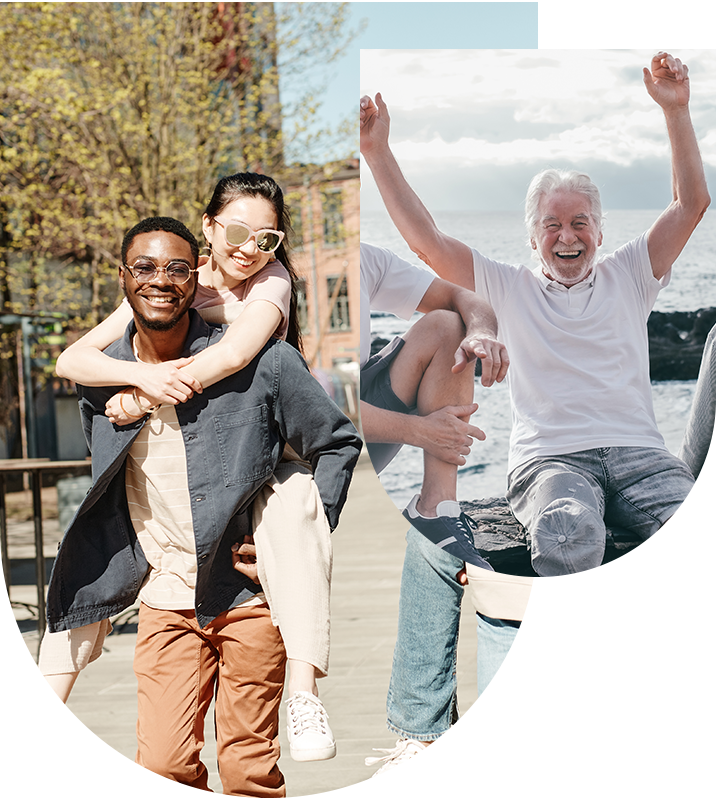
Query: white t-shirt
x=579, y=360
x=390, y=284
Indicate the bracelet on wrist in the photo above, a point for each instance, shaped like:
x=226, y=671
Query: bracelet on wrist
x=144, y=409
x=134, y=416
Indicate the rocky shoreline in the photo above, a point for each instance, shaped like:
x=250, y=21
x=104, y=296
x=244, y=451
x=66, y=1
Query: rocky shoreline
x=676, y=339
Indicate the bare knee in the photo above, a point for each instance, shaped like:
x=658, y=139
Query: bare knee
x=440, y=328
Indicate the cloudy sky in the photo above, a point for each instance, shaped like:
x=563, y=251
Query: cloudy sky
x=471, y=127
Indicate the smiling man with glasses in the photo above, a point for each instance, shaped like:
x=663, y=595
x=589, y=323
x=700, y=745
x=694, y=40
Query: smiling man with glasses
x=171, y=496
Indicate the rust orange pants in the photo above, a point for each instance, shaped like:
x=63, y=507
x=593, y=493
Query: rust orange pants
x=240, y=658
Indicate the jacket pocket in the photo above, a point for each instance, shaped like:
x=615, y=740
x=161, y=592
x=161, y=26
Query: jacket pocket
x=244, y=447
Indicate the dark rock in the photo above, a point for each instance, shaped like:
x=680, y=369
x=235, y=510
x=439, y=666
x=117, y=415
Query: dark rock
x=377, y=344
x=502, y=540
x=676, y=340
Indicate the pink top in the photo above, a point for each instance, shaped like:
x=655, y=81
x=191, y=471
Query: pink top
x=271, y=283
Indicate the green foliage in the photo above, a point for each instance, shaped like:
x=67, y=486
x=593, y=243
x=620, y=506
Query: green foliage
x=112, y=112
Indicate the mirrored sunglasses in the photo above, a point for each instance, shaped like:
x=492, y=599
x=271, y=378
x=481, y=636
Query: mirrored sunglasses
x=237, y=233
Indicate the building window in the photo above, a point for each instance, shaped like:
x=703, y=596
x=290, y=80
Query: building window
x=339, y=304
x=302, y=306
x=297, y=225
x=332, y=209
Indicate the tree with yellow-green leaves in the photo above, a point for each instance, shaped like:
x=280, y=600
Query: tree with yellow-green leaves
x=111, y=112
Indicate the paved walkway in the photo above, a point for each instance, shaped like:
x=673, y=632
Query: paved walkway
x=368, y=553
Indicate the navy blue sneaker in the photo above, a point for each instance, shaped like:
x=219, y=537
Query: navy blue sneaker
x=451, y=531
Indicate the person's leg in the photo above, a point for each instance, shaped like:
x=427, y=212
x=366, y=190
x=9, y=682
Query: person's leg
x=647, y=487
x=175, y=668
x=508, y=705
x=294, y=559
x=64, y=654
x=561, y=503
x=701, y=420
x=421, y=702
x=249, y=687
x=421, y=376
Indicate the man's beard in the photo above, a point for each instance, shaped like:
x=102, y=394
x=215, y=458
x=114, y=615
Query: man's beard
x=561, y=273
x=156, y=325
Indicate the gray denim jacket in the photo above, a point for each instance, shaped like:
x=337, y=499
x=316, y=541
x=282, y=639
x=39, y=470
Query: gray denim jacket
x=234, y=435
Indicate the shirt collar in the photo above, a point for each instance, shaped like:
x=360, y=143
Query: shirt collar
x=548, y=282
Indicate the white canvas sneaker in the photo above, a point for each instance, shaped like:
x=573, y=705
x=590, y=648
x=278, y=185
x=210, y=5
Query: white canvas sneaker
x=24, y=754
x=407, y=768
x=307, y=726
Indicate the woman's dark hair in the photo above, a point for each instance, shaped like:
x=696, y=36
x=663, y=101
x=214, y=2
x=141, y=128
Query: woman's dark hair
x=251, y=184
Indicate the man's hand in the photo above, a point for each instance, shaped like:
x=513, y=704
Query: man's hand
x=446, y=435
x=374, y=123
x=244, y=558
x=667, y=81
x=492, y=353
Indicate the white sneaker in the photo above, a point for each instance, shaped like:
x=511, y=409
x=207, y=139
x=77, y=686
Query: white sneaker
x=24, y=754
x=407, y=768
x=307, y=726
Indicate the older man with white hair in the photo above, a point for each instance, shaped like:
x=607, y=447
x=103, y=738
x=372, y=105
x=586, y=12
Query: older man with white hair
x=585, y=448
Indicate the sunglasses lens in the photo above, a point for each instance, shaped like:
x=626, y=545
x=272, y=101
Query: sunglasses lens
x=237, y=234
x=267, y=241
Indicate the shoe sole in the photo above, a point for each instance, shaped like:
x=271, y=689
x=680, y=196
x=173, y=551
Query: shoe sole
x=444, y=768
x=41, y=768
x=324, y=754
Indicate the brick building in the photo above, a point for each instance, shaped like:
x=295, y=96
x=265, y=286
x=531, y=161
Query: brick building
x=326, y=256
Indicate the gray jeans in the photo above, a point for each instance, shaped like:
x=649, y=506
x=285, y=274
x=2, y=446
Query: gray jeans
x=565, y=501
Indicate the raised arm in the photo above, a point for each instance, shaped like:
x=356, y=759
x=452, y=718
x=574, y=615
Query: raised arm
x=481, y=329
x=668, y=84
x=448, y=257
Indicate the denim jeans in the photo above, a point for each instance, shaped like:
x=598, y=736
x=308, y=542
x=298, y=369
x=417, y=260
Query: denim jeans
x=422, y=698
x=422, y=702
x=565, y=501
x=508, y=702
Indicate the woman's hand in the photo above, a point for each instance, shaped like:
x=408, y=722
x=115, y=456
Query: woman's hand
x=165, y=382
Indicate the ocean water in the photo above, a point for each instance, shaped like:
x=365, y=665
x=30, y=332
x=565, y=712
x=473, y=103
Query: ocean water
x=501, y=235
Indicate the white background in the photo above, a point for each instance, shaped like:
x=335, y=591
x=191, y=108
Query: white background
x=627, y=664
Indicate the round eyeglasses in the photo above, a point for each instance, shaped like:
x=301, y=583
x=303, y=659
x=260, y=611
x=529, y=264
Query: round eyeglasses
x=145, y=270
x=237, y=233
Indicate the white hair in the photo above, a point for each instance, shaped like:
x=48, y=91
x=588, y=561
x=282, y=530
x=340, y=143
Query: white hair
x=560, y=180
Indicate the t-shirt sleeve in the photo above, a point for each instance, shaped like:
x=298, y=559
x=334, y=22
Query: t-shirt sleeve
x=493, y=279
x=274, y=285
x=394, y=286
x=633, y=259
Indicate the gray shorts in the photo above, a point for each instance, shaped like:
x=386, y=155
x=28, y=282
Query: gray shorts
x=376, y=391
x=565, y=501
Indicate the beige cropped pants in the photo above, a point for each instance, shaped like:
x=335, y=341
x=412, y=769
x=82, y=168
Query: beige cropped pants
x=294, y=561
